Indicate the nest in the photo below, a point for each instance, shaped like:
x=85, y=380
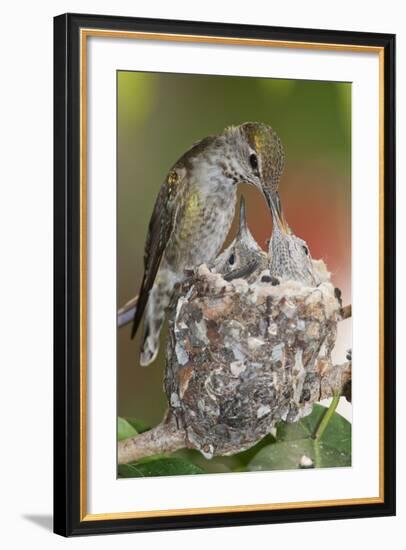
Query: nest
x=243, y=355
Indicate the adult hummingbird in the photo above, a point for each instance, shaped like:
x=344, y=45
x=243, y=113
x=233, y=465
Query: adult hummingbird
x=193, y=213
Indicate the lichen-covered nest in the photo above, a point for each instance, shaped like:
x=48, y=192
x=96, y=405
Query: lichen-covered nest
x=242, y=356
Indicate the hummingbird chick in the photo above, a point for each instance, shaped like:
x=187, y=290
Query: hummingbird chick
x=243, y=256
x=193, y=214
x=290, y=257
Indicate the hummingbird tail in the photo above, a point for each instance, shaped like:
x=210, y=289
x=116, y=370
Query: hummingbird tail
x=150, y=344
x=159, y=298
x=149, y=351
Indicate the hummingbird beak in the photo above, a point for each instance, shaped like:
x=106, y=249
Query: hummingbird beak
x=275, y=205
x=242, y=226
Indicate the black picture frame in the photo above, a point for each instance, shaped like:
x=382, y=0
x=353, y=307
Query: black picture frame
x=67, y=352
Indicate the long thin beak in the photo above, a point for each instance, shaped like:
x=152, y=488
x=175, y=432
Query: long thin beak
x=275, y=205
x=242, y=226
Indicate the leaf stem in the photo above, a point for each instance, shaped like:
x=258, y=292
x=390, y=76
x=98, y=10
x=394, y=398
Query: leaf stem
x=317, y=461
x=319, y=431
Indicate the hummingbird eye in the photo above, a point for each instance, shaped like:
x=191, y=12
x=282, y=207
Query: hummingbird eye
x=254, y=162
x=306, y=250
x=231, y=259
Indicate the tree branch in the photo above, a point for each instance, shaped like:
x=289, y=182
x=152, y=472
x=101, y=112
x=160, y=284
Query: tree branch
x=126, y=314
x=164, y=438
x=346, y=312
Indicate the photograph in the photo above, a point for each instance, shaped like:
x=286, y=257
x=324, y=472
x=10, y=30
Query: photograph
x=200, y=214
x=224, y=254
x=234, y=328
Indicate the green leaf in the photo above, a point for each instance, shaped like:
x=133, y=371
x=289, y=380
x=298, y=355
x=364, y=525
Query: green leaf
x=295, y=441
x=218, y=464
x=124, y=429
x=170, y=466
x=245, y=457
x=138, y=425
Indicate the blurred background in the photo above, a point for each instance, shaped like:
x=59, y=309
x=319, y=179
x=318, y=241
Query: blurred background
x=162, y=115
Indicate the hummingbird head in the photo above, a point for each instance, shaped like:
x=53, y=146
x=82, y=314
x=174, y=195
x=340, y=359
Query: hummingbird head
x=290, y=257
x=242, y=252
x=267, y=156
x=261, y=156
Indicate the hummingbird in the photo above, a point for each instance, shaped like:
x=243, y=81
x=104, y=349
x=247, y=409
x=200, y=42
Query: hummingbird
x=193, y=213
x=290, y=257
x=243, y=256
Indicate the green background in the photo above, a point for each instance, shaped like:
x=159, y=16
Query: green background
x=162, y=115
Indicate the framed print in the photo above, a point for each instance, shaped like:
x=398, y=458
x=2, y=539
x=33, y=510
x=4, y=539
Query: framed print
x=224, y=259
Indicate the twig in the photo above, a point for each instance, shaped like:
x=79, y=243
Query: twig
x=164, y=438
x=335, y=380
x=346, y=312
x=126, y=314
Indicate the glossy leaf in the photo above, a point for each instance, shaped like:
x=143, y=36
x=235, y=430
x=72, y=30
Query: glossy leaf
x=139, y=425
x=124, y=429
x=168, y=466
x=295, y=441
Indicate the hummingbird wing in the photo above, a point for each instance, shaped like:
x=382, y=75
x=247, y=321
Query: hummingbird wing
x=159, y=232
